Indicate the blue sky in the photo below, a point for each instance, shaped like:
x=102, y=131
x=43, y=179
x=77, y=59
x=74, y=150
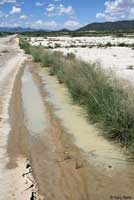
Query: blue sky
x=56, y=14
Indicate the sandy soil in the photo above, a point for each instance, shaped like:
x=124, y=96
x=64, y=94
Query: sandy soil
x=12, y=183
x=113, y=59
x=79, y=41
x=116, y=59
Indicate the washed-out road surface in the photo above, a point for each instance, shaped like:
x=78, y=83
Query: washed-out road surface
x=48, y=149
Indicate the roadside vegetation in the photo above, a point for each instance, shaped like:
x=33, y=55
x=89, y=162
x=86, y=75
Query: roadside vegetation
x=4, y=34
x=105, y=100
x=116, y=33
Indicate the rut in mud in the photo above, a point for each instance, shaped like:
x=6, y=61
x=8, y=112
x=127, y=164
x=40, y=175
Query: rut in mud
x=55, y=167
x=12, y=163
x=70, y=160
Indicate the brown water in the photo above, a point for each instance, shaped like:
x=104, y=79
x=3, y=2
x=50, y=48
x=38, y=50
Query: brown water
x=85, y=135
x=57, y=127
x=34, y=110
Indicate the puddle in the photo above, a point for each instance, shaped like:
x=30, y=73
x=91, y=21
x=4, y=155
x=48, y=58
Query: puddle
x=85, y=135
x=12, y=184
x=106, y=160
x=33, y=106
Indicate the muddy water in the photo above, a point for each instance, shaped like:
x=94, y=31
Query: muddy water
x=56, y=179
x=12, y=184
x=70, y=158
x=85, y=135
x=32, y=104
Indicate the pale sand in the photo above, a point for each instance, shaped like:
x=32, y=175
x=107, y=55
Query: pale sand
x=12, y=184
x=115, y=59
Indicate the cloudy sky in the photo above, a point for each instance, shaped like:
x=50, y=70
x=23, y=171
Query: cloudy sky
x=56, y=14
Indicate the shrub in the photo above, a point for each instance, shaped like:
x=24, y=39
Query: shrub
x=71, y=56
x=122, y=44
x=130, y=67
x=108, y=44
x=24, y=45
x=57, y=45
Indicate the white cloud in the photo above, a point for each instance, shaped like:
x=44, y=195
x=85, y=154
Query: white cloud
x=65, y=10
x=60, y=9
x=43, y=24
x=117, y=9
x=9, y=23
x=50, y=8
x=15, y=10
x=72, y=23
x=52, y=24
x=23, y=17
x=7, y=1
x=39, y=4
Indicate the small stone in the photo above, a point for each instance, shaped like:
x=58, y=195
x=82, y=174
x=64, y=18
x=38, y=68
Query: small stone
x=33, y=196
x=67, y=156
x=78, y=165
x=28, y=165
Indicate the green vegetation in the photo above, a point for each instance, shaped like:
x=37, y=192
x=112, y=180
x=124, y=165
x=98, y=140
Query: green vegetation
x=104, y=99
x=130, y=67
x=24, y=45
x=114, y=33
x=4, y=34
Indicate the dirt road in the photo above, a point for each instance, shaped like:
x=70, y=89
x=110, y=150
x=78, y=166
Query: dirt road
x=40, y=125
x=12, y=183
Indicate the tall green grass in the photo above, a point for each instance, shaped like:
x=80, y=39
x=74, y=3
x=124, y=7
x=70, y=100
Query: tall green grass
x=24, y=45
x=104, y=98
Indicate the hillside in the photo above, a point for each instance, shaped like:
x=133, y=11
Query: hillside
x=118, y=25
x=18, y=29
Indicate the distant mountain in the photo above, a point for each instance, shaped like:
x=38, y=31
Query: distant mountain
x=118, y=25
x=63, y=30
x=18, y=29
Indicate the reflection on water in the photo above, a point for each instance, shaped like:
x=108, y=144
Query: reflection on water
x=86, y=135
x=33, y=106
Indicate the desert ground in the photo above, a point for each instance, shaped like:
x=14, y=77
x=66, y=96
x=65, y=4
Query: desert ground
x=117, y=59
x=47, y=146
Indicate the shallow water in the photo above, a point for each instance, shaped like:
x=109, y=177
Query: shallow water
x=34, y=111
x=106, y=160
x=12, y=184
x=85, y=135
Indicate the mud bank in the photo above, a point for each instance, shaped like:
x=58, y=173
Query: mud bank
x=18, y=162
x=59, y=154
x=55, y=167
x=12, y=183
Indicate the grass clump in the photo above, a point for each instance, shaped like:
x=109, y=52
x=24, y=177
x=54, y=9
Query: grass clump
x=104, y=98
x=57, y=45
x=71, y=56
x=130, y=67
x=24, y=45
x=36, y=53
